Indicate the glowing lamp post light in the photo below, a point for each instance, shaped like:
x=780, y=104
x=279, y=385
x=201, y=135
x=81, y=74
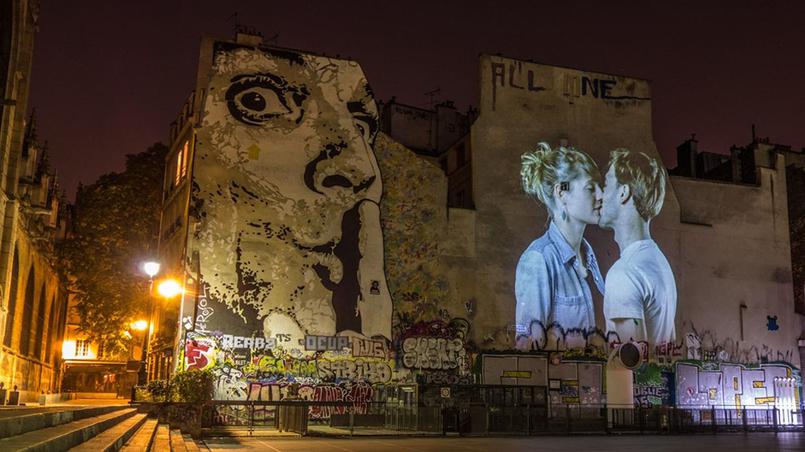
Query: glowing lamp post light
x=169, y=288
x=151, y=269
x=140, y=325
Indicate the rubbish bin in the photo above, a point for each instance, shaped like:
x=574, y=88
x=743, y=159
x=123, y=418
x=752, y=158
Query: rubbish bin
x=292, y=417
x=14, y=397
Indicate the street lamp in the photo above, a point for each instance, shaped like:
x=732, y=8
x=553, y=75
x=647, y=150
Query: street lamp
x=151, y=269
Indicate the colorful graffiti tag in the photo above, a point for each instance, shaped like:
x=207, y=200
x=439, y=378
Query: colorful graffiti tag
x=718, y=384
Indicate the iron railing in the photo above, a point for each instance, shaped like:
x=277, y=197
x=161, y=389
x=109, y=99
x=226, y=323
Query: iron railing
x=348, y=418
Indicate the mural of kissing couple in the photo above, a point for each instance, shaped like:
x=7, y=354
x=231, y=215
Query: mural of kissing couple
x=557, y=274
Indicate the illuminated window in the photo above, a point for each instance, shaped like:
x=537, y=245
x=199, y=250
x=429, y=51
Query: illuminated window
x=178, y=168
x=81, y=347
x=181, y=163
x=184, y=158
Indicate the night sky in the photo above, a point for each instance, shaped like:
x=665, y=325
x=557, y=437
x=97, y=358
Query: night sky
x=110, y=76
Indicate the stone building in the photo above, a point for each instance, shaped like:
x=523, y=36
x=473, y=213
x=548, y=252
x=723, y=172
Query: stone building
x=33, y=299
x=269, y=217
x=728, y=243
x=439, y=135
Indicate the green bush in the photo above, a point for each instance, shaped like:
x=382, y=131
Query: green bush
x=193, y=385
x=159, y=390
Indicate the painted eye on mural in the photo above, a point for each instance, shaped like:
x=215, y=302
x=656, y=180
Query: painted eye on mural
x=257, y=98
x=365, y=121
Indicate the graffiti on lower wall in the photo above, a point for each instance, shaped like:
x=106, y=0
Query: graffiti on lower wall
x=707, y=345
x=653, y=385
x=515, y=370
x=437, y=351
x=236, y=367
x=722, y=384
x=569, y=382
x=359, y=394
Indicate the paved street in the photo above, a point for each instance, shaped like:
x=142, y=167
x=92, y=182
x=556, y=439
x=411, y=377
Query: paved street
x=698, y=443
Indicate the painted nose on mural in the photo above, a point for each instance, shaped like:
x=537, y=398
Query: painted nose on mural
x=339, y=168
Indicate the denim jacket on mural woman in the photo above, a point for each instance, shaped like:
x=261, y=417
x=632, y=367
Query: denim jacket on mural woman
x=548, y=286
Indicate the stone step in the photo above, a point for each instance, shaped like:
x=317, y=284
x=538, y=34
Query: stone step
x=63, y=437
x=21, y=422
x=191, y=444
x=142, y=439
x=162, y=440
x=177, y=441
x=112, y=439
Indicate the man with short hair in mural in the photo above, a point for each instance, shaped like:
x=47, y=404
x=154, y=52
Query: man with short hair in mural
x=640, y=291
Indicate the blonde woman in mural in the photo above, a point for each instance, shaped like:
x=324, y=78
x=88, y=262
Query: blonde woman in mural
x=555, y=272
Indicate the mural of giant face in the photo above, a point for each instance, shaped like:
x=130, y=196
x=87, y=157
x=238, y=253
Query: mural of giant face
x=287, y=192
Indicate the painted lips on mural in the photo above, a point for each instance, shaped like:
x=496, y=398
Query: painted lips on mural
x=289, y=211
x=557, y=273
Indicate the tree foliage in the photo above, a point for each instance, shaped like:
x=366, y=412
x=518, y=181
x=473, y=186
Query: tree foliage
x=115, y=228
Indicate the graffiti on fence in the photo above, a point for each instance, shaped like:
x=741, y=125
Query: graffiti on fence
x=358, y=394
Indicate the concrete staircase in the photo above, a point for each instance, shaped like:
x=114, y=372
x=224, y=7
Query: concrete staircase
x=104, y=428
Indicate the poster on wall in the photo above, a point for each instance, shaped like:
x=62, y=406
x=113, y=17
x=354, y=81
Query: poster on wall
x=558, y=277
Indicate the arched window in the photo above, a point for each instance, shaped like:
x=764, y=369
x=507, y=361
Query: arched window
x=27, y=313
x=39, y=335
x=12, y=299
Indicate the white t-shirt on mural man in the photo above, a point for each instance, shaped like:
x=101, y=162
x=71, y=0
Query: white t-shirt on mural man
x=640, y=285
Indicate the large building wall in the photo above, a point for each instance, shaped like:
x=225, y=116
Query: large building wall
x=734, y=276
x=727, y=244
x=32, y=330
x=19, y=23
x=414, y=219
x=36, y=318
x=285, y=160
x=521, y=105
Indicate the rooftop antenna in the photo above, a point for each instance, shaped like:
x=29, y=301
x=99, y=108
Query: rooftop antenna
x=234, y=15
x=431, y=95
x=245, y=29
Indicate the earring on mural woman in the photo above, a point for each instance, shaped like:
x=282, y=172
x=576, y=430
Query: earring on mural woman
x=564, y=186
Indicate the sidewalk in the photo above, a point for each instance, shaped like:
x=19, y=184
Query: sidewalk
x=92, y=402
x=327, y=431
x=324, y=431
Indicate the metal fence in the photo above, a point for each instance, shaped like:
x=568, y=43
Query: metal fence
x=310, y=417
